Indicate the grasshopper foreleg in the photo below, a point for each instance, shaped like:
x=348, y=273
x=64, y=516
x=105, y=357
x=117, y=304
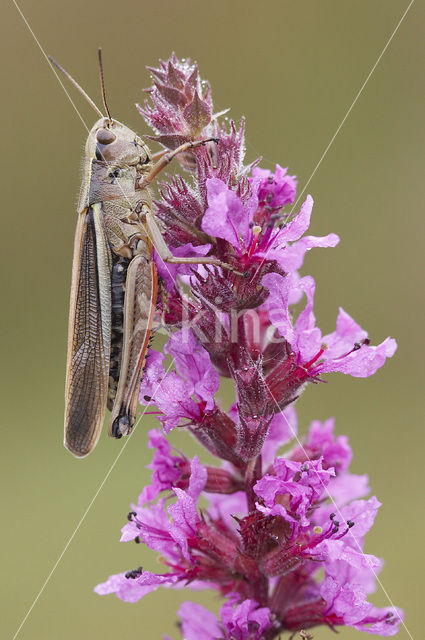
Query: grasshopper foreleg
x=165, y=159
x=155, y=235
x=152, y=229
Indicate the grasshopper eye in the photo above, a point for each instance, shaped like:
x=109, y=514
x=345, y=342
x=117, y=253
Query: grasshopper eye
x=105, y=136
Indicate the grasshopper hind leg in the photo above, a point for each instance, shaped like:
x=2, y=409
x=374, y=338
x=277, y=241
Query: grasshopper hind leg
x=141, y=287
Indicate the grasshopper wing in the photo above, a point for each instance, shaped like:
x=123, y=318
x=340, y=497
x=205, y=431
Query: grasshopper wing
x=139, y=310
x=89, y=334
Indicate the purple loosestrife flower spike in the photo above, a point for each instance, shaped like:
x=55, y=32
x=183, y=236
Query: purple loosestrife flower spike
x=281, y=530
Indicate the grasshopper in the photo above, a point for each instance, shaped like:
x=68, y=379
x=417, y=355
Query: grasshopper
x=114, y=278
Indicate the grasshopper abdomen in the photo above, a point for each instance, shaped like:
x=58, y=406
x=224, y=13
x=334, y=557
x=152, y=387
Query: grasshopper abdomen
x=118, y=278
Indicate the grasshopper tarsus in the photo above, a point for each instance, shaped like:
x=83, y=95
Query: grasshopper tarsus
x=167, y=157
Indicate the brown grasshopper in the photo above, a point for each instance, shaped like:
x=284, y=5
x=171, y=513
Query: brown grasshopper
x=114, y=279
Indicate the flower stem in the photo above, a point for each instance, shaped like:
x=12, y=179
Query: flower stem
x=252, y=475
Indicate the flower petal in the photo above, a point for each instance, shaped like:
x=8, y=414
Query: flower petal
x=226, y=217
x=299, y=225
x=198, y=623
x=363, y=362
x=193, y=362
x=124, y=588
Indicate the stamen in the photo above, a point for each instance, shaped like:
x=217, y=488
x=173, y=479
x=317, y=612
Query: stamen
x=307, y=365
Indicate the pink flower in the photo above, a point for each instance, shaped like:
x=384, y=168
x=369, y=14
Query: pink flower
x=168, y=470
x=198, y=623
x=301, y=483
x=320, y=441
x=227, y=217
x=346, y=604
x=194, y=364
x=125, y=588
x=309, y=353
x=276, y=526
x=177, y=85
x=182, y=395
x=245, y=621
x=275, y=190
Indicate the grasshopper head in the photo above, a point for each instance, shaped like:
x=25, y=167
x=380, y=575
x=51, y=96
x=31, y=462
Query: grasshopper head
x=111, y=141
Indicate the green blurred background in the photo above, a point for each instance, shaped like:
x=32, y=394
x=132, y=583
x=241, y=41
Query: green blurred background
x=293, y=70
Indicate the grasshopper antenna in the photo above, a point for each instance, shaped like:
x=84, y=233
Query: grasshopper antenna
x=102, y=84
x=77, y=86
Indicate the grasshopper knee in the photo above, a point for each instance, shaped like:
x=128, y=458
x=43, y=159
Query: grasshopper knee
x=121, y=426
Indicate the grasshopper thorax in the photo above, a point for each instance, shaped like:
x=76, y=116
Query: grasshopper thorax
x=111, y=141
